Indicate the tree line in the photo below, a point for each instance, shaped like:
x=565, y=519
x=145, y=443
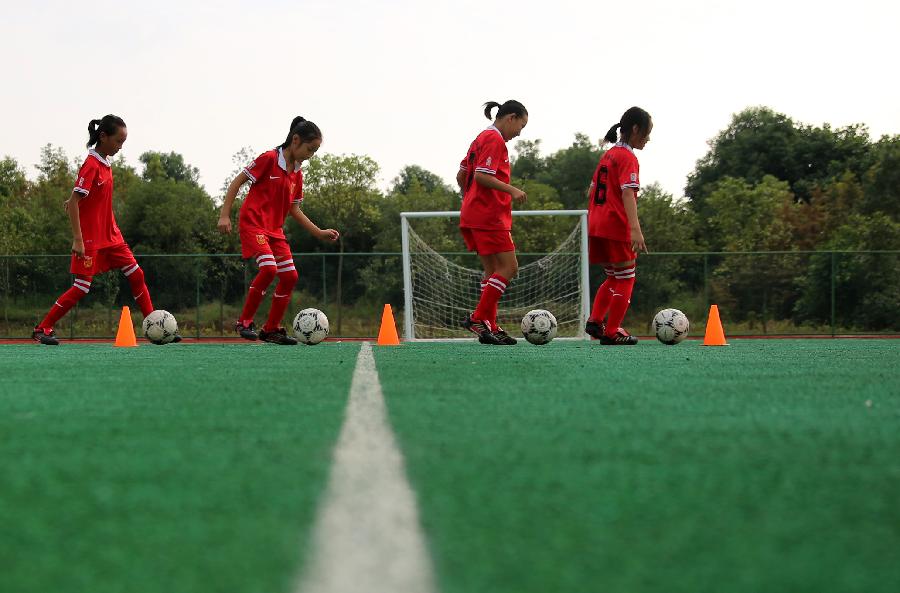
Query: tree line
x=767, y=183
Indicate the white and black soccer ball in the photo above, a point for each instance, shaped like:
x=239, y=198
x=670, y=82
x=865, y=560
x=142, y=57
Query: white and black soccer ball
x=539, y=326
x=671, y=326
x=311, y=326
x=160, y=327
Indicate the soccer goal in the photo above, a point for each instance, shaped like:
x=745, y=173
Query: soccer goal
x=442, y=283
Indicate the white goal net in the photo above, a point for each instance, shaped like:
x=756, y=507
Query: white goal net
x=440, y=288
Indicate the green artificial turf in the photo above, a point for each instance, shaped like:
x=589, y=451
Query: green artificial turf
x=163, y=469
x=761, y=466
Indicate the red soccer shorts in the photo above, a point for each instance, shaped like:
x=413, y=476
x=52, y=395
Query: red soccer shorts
x=102, y=260
x=485, y=242
x=254, y=244
x=609, y=251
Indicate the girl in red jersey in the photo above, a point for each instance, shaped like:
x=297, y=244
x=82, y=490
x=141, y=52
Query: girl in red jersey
x=276, y=192
x=614, y=231
x=486, y=215
x=97, y=243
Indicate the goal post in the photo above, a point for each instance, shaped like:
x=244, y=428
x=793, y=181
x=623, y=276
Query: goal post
x=439, y=288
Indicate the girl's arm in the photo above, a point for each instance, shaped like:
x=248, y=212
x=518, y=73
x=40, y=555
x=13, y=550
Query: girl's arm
x=491, y=182
x=224, y=223
x=71, y=206
x=461, y=179
x=304, y=221
x=629, y=200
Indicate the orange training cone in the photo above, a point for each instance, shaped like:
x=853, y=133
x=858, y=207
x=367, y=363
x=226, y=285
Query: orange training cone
x=715, y=335
x=125, y=336
x=387, y=335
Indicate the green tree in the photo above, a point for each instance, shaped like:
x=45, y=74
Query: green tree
x=160, y=165
x=882, y=180
x=169, y=215
x=15, y=220
x=413, y=191
x=748, y=218
x=568, y=170
x=44, y=202
x=760, y=142
x=426, y=180
x=867, y=285
x=528, y=162
x=668, y=226
x=340, y=192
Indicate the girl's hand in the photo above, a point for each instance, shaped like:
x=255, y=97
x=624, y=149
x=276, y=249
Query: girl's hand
x=328, y=235
x=518, y=195
x=637, y=241
x=78, y=247
x=224, y=225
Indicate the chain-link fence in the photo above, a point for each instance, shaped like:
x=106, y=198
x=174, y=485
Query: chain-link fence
x=758, y=293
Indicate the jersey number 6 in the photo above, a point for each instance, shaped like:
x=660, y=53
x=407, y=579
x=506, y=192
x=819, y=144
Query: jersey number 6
x=600, y=186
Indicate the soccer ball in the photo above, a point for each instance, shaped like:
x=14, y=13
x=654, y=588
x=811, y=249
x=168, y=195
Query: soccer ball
x=671, y=326
x=160, y=327
x=539, y=326
x=310, y=326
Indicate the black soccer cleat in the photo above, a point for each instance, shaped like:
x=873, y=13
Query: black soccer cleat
x=278, y=336
x=482, y=330
x=45, y=337
x=622, y=338
x=505, y=338
x=595, y=330
x=248, y=332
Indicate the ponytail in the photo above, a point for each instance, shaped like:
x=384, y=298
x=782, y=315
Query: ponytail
x=611, y=135
x=305, y=129
x=511, y=106
x=108, y=125
x=635, y=116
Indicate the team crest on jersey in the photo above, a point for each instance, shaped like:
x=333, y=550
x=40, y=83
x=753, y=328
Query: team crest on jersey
x=487, y=163
x=88, y=261
x=293, y=185
x=634, y=177
x=81, y=182
x=261, y=239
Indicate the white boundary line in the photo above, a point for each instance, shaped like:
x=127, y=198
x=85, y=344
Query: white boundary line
x=367, y=537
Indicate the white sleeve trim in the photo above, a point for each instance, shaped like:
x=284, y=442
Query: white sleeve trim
x=632, y=185
x=488, y=171
x=247, y=172
x=81, y=190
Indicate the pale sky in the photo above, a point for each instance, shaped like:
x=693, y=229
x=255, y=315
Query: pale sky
x=403, y=81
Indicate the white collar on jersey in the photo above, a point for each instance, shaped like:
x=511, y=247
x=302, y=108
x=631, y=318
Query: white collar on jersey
x=99, y=157
x=493, y=127
x=282, y=162
x=625, y=145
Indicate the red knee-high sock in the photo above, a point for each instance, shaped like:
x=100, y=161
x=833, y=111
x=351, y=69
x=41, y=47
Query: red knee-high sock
x=490, y=296
x=65, y=302
x=603, y=297
x=621, y=298
x=266, y=263
x=287, y=278
x=139, y=291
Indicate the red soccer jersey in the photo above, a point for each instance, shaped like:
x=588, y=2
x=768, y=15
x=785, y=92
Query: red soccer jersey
x=484, y=208
x=618, y=168
x=95, y=185
x=273, y=191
